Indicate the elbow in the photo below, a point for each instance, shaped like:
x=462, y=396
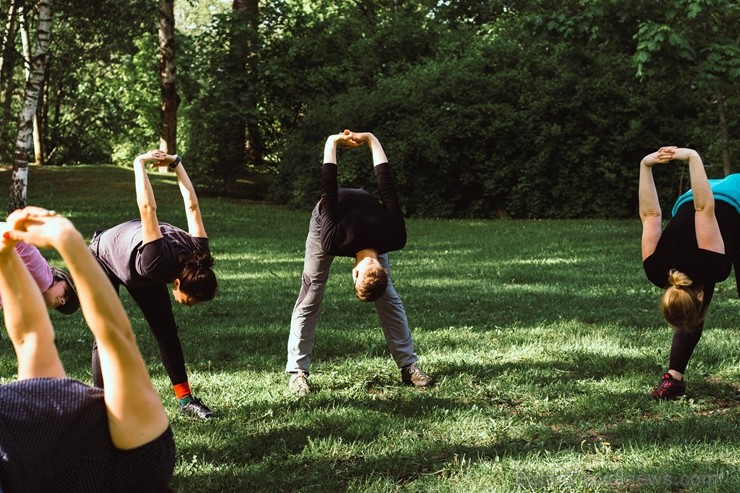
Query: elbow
x=193, y=207
x=704, y=206
x=147, y=209
x=650, y=215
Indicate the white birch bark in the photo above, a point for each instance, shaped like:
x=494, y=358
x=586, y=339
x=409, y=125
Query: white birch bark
x=24, y=139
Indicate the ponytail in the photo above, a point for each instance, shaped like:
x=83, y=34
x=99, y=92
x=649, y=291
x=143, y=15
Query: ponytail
x=681, y=305
x=197, y=279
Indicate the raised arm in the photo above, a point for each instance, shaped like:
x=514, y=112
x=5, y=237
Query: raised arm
x=708, y=234
x=196, y=227
x=386, y=184
x=135, y=413
x=26, y=318
x=145, y=198
x=650, y=213
x=329, y=183
x=374, y=144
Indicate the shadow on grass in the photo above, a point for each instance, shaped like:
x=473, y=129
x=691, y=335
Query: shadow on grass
x=326, y=452
x=345, y=430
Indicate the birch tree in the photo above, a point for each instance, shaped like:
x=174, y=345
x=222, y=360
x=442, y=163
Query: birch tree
x=26, y=42
x=24, y=139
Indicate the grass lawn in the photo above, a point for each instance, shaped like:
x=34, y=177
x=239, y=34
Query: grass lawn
x=545, y=338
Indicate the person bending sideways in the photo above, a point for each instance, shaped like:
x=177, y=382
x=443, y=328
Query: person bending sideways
x=56, y=433
x=56, y=286
x=353, y=223
x=687, y=258
x=145, y=256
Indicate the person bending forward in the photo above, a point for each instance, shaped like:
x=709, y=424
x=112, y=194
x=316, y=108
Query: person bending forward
x=145, y=256
x=353, y=223
x=687, y=258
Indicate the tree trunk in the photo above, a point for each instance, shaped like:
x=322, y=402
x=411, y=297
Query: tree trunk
x=254, y=145
x=38, y=125
x=19, y=180
x=237, y=134
x=167, y=75
x=8, y=36
x=724, y=131
x=7, y=64
x=25, y=38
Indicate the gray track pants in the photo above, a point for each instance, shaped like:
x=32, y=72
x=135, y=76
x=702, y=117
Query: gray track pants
x=306, y=311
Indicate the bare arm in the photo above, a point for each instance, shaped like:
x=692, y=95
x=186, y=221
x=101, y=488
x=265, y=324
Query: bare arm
x=26, y=318
x=650, y=213
x=196, y=227
x=708, y=235
x=379, y=156
x=145, y=199
x=135, y=413
x=330, y=150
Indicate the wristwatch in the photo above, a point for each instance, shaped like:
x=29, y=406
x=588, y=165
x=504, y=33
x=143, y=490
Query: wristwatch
x=174, y=164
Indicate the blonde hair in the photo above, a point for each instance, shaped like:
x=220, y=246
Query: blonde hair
x=373, y=285
x=681, y=305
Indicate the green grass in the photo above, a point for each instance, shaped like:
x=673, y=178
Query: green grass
x=545, y=337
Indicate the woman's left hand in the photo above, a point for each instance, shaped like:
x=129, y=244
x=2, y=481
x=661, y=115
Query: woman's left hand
x=36, y=226
x=160, y=158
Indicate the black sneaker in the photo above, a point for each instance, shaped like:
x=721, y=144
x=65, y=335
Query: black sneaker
x=413, y=375
x=668, y=389
x=196, y=409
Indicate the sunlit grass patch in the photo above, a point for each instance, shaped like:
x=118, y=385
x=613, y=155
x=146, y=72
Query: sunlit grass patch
x=544, y=336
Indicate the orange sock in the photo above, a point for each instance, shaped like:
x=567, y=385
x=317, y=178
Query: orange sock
x=182, y=390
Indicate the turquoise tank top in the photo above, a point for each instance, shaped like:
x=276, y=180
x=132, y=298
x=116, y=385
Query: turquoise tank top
x=726, y=189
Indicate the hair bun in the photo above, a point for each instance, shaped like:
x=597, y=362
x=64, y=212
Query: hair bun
x=679, y=279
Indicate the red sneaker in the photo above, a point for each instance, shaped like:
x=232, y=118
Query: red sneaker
x=668, y=388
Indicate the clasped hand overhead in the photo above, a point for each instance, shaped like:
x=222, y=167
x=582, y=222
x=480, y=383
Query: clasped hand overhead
x=36, y=226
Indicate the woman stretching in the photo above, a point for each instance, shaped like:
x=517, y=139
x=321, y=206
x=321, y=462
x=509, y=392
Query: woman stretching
x=145, y=256
x=56, y=286
x=57, y=434
x=693, y=253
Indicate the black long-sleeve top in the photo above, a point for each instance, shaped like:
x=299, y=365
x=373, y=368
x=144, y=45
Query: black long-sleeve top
x=678, y=249
x=353, y=219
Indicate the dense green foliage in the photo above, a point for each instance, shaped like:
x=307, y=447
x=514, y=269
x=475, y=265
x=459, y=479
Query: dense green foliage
x=524, y=114
x=545, y=337
x=521, y=108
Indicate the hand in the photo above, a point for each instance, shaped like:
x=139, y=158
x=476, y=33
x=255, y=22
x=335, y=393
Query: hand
x=37, y=226
x=157, y=158
x=362, y=137
x=683, y=154
x=348, y=139
x=663, y=155
x=6, y=242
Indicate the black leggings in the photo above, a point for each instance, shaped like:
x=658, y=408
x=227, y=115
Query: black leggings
x=156, y=306
x=682, y=347
x=684, y=342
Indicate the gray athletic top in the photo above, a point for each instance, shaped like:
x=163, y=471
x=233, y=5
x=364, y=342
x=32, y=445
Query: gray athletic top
x=123, y=255
x=54, y=437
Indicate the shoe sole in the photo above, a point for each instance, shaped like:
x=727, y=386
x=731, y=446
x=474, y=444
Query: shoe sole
x=412, y=384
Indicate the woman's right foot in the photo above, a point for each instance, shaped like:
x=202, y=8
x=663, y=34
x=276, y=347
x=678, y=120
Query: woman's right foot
x=195, y=408
x=668, y=389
